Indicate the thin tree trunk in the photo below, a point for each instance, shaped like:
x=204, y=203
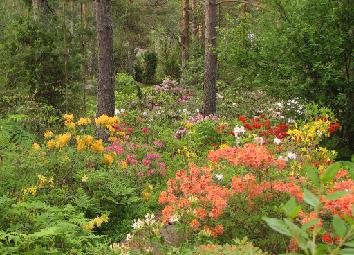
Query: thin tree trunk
x=194, y=19
x=65, y=58
x=185, y=33
x=92, y=61
x=210, y=75
x=105, y=90
x=41, y=7
x=83, y=43
x=72, y=19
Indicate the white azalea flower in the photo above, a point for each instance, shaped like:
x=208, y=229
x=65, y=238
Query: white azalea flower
x=259, y=140
x=174, y=218
x=277, y=141
x=239, y=130
x=219, y=177
x=138, y=224
x=291, y=155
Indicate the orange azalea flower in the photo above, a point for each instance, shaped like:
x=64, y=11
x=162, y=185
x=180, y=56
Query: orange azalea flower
x=195, y=224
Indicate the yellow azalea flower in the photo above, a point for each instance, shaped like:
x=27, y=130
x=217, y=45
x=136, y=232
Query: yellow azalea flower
x=31, y=190
x=80, y=144
x=105, y=120
x=48, y=134
x=63, y=139
x=121, y=133
x=108, y=159
x=88, y=139
x=84, y=178
x=97, y=146
x=112, y=138
x=188, y=125
x=36, y=146
x=124, y=164
x=68, y=117
x=51, y=144
x=70, y=124
x=110, y=128
x=83, y=121
x=41, y=181
x=98, y=221
x=224, y=146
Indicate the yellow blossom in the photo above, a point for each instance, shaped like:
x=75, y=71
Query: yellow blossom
x=112, y=138
x=51, y=144
x=110, y=128
x=84, y=178
x=48, y=134
x=105, y=120
x=188, y=125
x=41, y=181
x=98, y=221
x=88, y=139
x=124, y=164
x=68, y=117
x=31, y=190
x=83, y=121
x=63, y=139
x=80, y=144
x=108, y=159
x=97, y=146
x=36, y=146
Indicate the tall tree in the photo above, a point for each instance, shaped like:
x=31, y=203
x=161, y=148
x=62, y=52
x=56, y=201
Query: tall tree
x=210, y=74
x=41, y=6
x=185, y=33
x=105, y=90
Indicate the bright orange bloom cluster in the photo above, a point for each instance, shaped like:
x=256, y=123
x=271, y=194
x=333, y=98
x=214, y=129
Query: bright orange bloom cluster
x=250, y=155
x=195, y=192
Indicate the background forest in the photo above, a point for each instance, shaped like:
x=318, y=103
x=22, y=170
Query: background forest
x=176, y=127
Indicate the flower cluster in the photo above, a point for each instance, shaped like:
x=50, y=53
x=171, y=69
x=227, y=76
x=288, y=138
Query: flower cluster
x=250, y=155
x=262, y=125
x=96, y=222
x=195, y=194
x=43, y=182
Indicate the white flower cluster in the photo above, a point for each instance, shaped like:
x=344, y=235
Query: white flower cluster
x=140, y=223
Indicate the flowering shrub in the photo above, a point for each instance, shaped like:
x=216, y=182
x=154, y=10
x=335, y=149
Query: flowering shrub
x=194, y=195
x=323, y=222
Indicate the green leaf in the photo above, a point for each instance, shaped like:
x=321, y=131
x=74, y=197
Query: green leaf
x=346, y=251
x=310, y=198
x=339, y=226
x=277, y=225
x=309, y=224
x=331, y=171
x=349, y=244
x=336, y=195
x=312, y=173
x=291, y=208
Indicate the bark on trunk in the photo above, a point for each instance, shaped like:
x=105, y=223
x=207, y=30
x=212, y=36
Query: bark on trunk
x=185, y=33
x=105, y=90
x=210, y=75
x=194, y=19
x=41, y=6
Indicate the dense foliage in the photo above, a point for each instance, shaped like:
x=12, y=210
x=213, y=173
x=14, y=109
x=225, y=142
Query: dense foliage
x=270, y=173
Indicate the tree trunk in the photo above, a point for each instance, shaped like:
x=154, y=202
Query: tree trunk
x=194, y=19
x=105, y=90
x=41, y=6
x=92, y=66
x=185, y=33
x=210, y=75
x=72, y=19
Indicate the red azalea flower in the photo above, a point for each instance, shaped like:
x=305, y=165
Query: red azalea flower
x=262, y=116
x=326, y=238
x=242, y=118
x=145, y=130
